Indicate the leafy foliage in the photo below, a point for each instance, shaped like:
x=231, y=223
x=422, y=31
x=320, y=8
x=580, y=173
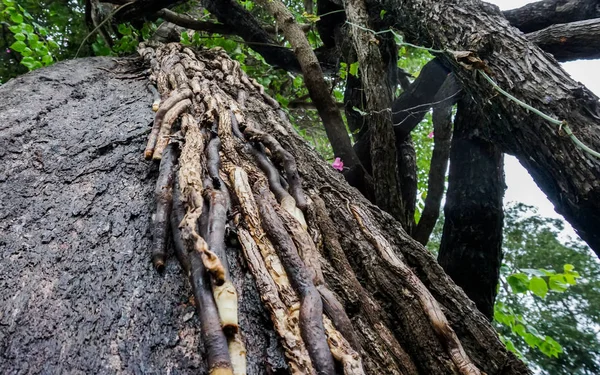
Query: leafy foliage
x=38, y=33
x=561, y=305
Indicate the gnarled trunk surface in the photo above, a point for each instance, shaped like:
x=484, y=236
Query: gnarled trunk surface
x=78, y=292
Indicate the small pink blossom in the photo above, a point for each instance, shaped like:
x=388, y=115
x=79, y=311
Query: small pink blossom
x=338, y=164
x=430, y=135
x=7, y=50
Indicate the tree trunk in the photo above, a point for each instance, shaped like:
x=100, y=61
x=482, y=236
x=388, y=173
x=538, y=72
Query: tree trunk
x=568, y=175
x=78, y=293
x=471, y=247
x=79, y=200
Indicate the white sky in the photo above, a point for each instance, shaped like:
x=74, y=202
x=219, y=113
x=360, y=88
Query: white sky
x=521, y=187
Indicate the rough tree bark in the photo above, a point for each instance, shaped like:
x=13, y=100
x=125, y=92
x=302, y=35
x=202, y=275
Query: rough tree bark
x=78, y=289
x=78, y=293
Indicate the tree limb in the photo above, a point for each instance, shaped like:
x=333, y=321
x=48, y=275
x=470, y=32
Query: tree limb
x=531, y=75
x=570, y=41
x=541, y=14
x=378, y=103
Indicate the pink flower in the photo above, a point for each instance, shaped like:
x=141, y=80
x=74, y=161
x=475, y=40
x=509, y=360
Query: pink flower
x=430, y=135
x=338, y=164
x=7, y=50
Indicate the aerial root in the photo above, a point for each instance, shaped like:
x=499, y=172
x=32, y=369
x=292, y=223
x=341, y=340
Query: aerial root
x=167, y=105
x=164, y=202
x=284, y=157
x=219, y=143
x=165, y=129
x=225, y=295
x=219, y=361
x=311, y=307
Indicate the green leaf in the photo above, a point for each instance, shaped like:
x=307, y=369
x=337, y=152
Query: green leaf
x=538, y=286
x=382, y=13
x=531, y=340
x=28, y=28
x=558, y=283
x=15, y=29
x=123, y=29
x=20, y=36
x=298, y=81
x=27, y=51
x=42, y=50
x=31, y=63
x=520, y=330
x=16, y=17
x=52, y=44
x=8, y=3
x=18, y=46
x=354, y=69
x=518, y=282
x=47, y=60
x=568, y=267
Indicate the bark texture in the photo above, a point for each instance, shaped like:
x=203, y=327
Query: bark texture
x=569, y=176
x=82, y=243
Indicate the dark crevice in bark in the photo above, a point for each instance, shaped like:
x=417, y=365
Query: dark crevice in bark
x=442, y=130
x=471, y=247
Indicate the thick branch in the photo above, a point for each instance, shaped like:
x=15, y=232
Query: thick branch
x=141, y=9
x=190, y=23
x=541, y=14
x=570, y=41
x=230, y=13
x=378, y=103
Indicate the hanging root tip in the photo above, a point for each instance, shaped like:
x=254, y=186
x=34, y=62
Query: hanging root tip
x=158, y=260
